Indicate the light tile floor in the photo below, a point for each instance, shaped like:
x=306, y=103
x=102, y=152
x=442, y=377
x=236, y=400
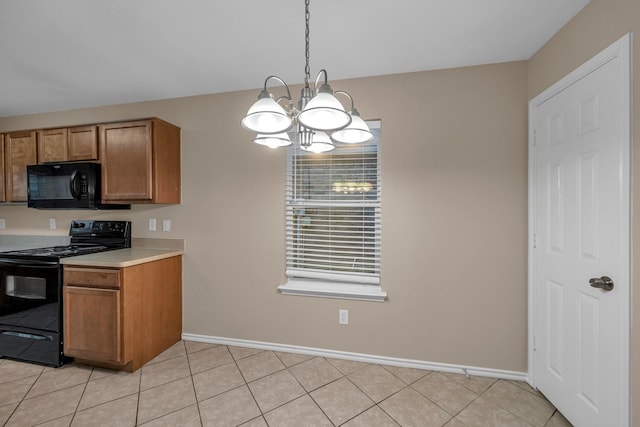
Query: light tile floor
x=198, y=384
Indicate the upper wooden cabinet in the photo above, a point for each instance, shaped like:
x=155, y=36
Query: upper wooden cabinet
x=83, y=143
x=19, y=151
x=140, y=162
x=52, y=145
x=68, y=144
x=140, y=159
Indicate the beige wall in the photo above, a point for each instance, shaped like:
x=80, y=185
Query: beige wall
x=454, y=219
x=598, y=25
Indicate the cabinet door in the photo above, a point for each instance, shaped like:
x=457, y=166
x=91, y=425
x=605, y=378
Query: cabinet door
x=126, y=157
x=52, y=145
x=20, y=151
x=92, y=325
x=83, y=143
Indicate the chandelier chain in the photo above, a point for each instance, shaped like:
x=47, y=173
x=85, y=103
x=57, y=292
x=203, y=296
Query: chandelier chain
x=307, y=69
x=319, y=116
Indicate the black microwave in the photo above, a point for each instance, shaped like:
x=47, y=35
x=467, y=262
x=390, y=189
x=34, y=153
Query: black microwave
x=66, y=186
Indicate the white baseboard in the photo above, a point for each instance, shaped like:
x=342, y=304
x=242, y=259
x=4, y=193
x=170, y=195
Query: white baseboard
x=359, y=357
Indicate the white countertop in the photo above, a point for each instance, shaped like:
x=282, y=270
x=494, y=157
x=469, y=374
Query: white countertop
x=122, y=257
x=143, y=250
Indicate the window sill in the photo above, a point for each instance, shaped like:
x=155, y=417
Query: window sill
x=333, y=290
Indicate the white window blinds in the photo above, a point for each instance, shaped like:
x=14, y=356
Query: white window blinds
x=333, y=213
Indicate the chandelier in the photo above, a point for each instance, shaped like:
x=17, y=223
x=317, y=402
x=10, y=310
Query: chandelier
x=320, y=118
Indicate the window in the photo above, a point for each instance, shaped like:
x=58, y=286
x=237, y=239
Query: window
x=333, y=221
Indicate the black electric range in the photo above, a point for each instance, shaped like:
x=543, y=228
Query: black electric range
x=31, y=290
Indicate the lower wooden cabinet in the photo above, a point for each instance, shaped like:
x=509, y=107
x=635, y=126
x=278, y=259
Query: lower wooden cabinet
x=122, y=318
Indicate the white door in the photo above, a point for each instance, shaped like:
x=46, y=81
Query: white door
x=579, y=193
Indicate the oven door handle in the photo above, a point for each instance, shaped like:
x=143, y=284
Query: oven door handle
x=29, y=264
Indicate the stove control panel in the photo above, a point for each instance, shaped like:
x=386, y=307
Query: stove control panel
x=100, y=228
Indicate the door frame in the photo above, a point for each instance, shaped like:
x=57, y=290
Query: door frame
x=620, y=49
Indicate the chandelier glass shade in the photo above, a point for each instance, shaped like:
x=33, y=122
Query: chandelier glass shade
x=267, y=116
x=357, y=131
x=320, y=143
x=273, y=141
x=320, y=118
x=324, y=112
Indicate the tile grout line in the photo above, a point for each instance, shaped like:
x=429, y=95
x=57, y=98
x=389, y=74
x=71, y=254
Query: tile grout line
x=246, y=384
x=286, y=368
x=185, y=355
x=509, y=411
x=42, y=372
x=193, y=384
x=318, y=388
x=23, y=397
x=356, y=415
x=138, y=400
x=439, y=406
x=376, y=404
x=393, y=394
x=86, y=384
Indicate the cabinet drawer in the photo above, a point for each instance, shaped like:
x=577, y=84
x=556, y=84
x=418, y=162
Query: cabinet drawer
x=92, y=277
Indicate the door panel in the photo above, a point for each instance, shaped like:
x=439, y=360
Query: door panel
x=555, y=304
x=580, y=223
x=588, y=350
x=555, y=231
x=588, y=184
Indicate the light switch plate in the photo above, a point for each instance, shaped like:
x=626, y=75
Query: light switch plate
x=52, y=223
x=152, y=224
x=2, y=224
x=166, y=225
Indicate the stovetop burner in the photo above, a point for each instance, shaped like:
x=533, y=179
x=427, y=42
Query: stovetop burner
x=60, y=251
x=86, y=237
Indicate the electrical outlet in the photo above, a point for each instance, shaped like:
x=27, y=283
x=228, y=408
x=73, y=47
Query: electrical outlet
x=2, y=224
x=166, y=225
x=343, y=317
x=152, y=224
x=52, y=223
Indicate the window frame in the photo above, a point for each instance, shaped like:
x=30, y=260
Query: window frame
x=328, y=283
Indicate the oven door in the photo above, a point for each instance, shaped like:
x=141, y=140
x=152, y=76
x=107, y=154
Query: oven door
x=30, y=294
x=30, y=311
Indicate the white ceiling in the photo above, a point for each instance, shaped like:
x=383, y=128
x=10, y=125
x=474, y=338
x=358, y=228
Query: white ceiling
x=65, y=54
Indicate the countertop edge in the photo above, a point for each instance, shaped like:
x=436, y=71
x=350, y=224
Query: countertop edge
x=122, y=257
